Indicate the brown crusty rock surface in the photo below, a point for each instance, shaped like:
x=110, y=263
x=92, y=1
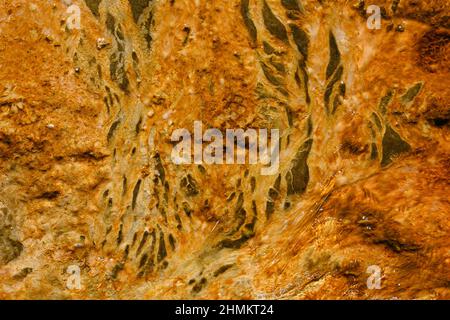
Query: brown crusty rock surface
x=86, y=179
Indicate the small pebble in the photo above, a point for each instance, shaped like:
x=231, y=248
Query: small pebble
x=166, y=115
x=101, y=43
x=400, y=28
x=50, y=126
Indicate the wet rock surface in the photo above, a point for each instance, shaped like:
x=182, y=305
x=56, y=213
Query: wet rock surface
x=91, y=91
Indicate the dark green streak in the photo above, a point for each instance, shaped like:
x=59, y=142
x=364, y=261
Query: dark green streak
x=298, y=177
x=275, y=27
x=137, y=7
x=93, y=6
x=291, y=5
x=135, y=194
x=385, y=101
x=329, y=90
x=112, y=130
x=335, y=56
x=267, y=72
x=162, y=252
x=301, y=39
x=411, y=93
x=248, y=22
x=393, y=145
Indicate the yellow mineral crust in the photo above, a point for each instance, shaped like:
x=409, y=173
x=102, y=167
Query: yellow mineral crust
x=93, y=207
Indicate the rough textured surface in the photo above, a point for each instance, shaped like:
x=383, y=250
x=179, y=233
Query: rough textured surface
x=86, y=178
